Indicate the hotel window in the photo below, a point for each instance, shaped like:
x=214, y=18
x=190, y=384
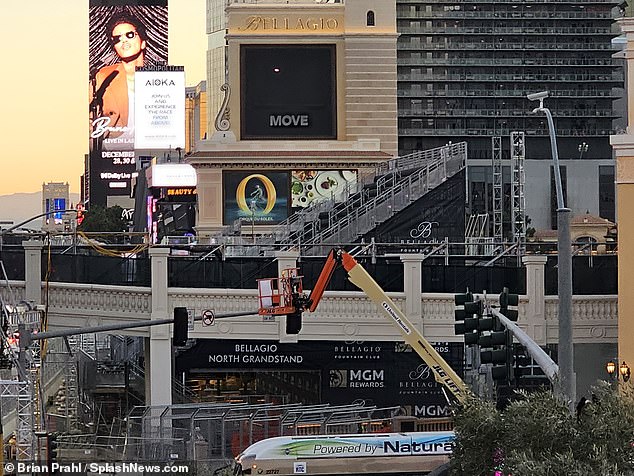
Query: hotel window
x=370, y=18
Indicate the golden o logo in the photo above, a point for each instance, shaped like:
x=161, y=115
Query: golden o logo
x=241, y=191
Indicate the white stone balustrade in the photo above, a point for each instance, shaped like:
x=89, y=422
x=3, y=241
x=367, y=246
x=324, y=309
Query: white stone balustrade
x=82, y=305
x=342, y=315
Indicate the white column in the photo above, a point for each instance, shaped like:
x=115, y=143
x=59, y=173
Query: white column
x=285, y=260
x=623, y=146
x=33, y=271
x=160, y=362
x=535, y=316
x=413, y=288
x=147, y=368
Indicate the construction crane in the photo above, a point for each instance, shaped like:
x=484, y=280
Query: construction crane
x=285, y=296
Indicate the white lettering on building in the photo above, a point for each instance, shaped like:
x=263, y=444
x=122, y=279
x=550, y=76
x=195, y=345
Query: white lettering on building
x=288, y=120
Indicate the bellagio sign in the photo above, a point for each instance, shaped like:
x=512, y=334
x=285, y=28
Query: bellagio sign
x=259, y=23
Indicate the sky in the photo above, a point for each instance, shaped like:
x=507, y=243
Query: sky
x=44, y=85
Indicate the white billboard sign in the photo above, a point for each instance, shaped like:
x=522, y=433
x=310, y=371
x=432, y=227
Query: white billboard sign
x=171, y=175
x=159, y=110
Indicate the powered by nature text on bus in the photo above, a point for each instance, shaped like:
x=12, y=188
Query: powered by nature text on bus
x=367, y=454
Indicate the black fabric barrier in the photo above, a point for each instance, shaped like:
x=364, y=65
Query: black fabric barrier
x=459, y=278
x=590, y=275
x=233, y=273
x=13, y=261
x=90, y=269
x=387, y=272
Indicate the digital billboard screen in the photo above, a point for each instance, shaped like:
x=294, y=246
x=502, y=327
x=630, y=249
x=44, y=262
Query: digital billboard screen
x=123, y=35
x=159, y=112
x=288, y=92
x=308, y=186
x=254, y=197
x=52, y=205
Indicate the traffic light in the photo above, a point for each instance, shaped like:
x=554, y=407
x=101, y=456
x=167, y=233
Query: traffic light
x=467, y=314
x=459, y=311
x=496, y=347
x=294, y=322
x=491, y=332
x=181, y=326
x=52, y=447
x=523, y=363
x=508, y=304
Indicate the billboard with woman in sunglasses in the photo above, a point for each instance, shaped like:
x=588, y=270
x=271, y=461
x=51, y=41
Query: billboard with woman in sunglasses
x=122, y=37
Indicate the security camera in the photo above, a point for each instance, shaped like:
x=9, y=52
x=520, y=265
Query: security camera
x=540, y=96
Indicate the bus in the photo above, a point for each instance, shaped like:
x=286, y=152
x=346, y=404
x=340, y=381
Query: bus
x=360, y=454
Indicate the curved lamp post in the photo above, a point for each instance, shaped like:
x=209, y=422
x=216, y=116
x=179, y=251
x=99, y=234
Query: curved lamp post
x=565, y=352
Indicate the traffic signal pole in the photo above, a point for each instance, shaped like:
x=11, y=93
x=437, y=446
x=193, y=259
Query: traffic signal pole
x=550, y=368
x=111, y=327
x=119, y=327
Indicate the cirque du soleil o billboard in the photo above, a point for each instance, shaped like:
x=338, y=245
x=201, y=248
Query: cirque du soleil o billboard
x=258, y=197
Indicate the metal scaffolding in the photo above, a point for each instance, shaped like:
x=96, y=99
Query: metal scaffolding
x=20, y=392
x=518, y=206
x=496, y=143
x=26, y=391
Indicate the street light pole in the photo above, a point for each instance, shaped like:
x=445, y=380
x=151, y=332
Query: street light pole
x=583, y=147
x=565, y=351
x=8, y=230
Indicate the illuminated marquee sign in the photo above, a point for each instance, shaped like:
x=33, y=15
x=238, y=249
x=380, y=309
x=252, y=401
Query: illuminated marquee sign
x=308, y=186
x=179, y=192
x=171, y=175
x=160, y=109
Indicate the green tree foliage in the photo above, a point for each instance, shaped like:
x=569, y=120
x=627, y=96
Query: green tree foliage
x=477, y=427
x=536, y=436
x=103, y=219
